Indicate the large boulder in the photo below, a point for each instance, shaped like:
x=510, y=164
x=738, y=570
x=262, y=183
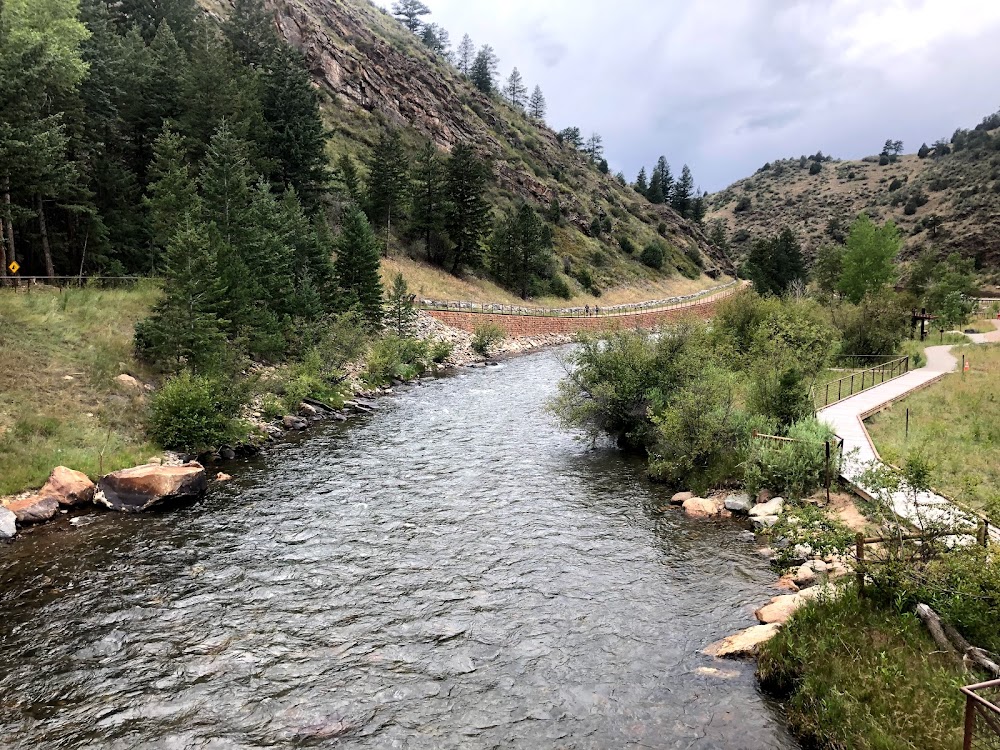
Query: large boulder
x=141, y=488
x=762, y=523
x=739, y=502
x=770, y=508
x=744, y=644
x=69, y=488
x=681, y=497
x=34, y=509
x=8, y=524
x=780, y=608
x=702, y=507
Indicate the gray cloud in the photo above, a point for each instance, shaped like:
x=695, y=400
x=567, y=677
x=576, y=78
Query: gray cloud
x=727, y=86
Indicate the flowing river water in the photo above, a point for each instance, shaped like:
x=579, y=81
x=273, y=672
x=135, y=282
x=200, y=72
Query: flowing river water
x=453, y=571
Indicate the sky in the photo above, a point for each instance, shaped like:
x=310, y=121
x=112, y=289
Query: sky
x=727, y=85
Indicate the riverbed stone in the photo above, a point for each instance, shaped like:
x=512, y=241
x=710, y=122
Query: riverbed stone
x=128, y=383
x=309, y=411
x=744, y=644
x=763, y=522
x=739, y=502
x=785, y=583
x=681, y=497
x=69, y=488
x=805, y=576
x=780, y=608
x=802, y=551
x=8, y=524
x=291, y=422
x=34, y=509
x=143, y=487
x=702, y=507
x=773, y=507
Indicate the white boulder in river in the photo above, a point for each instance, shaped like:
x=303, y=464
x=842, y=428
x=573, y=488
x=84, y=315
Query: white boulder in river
x=8, y=524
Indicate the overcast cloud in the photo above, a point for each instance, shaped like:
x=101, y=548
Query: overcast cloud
x=726, y=85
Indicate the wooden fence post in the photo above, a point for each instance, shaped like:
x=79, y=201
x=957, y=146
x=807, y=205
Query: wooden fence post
x=827, y=472
x=859, y=543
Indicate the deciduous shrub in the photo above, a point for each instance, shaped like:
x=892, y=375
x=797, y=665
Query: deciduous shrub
x=196, y=413
x=393, y=357
x=792, y=469
x=652, y=255
x=486, y=338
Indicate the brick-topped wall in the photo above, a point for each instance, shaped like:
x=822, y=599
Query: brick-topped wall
x=531, y=325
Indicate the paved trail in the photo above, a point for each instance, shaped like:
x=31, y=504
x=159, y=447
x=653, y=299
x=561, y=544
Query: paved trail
x=847, y=420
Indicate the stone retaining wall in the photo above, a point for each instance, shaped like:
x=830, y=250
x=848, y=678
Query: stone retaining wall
x=537, y=325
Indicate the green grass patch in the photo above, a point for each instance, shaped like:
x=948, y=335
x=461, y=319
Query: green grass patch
x=59, y=354
x=956, y=424
x=860, y=677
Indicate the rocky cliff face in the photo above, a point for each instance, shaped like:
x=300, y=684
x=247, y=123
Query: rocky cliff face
x=375, y=73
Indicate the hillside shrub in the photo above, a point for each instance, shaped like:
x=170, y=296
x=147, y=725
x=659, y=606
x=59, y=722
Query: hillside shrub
x=744, y=204
x=653, y=255
x=197, y=413
x=895, y=185
x=876, y=326
x=816, y=167
x=559, y=287
x=626, y=244
x=486, y=338
x=440, y=350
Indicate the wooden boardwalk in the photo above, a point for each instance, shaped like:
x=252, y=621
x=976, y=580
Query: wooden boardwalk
x=847, y=420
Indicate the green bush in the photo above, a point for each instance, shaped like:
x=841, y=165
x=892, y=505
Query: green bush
x=653, y=255
x=394, y=357
x=626, y=244
x=440, y=351
x=559, y=287
x=795, y=469
x=486, y=338
x=197, y=413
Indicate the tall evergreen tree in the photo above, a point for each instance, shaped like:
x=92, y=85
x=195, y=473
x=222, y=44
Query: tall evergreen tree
x=698, y=208
x=437, y=39
x=226, y=179
x=428, y=200
x=468, y=215
x=147, y=15
x=642, y=183
x=186, y=328
x=400, y=314
x=519, y=253
x=594, y=148
x=347, y=174
x=409, y=12
x=666, y=178
x=484, y=70
x=172, y=194
x=536, y=105
x=681, y=195
x=357, y=266
x=250, y=30
x=515, y=91
x=774, y=263
x=465, y=55
x=388, y=186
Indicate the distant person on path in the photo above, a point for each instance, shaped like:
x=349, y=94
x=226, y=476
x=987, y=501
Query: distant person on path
x=586, y=311
x=597, y=310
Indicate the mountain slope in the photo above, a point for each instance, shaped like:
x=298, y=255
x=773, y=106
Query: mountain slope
x=374, y=73
x=947, y=202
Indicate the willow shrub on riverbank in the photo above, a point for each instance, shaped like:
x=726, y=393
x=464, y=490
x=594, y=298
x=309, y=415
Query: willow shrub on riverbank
x=198, y=413
x=858, y=676
x=394, y=357
x=793, y=469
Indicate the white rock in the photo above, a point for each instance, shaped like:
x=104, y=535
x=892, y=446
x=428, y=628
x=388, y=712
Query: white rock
x=819, y=566
x=128, y=382
x=803, y=551
x=805, y=576
x=739, y=502
x=8, y=524
x=773, y=507
x=744, y=643
x=764, y=522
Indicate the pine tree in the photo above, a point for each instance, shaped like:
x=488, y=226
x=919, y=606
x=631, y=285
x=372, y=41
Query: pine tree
x=347, y=174
x=250, y=30
x=642, y=183
x=656, y=194
x=514, y=90
x=186, y=328
x=400, y=314
x=296, y=135
x=698, y=208
x=312, y=264
x=681, y=195
x=147, y=15
x=594, y=148
x=666, y=178
x=519, y=253
x=428, y=199
x=775, y=263
x=437, y=39
x=226, y=178
x=536, y=105
x=357, y=266
x=483, y=72
x=388, y=186
x=172, y=195
x=409, y=12
x=465, y=55
x=468, y=215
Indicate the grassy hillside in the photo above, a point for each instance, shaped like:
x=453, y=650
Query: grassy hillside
x=374, y=74
x=944, y=202
x=60, y=353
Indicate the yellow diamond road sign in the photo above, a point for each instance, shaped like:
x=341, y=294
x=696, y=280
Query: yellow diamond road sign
x=14, y=266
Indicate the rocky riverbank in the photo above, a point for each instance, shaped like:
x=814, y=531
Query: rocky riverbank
x=804, y=573
x=173, y=477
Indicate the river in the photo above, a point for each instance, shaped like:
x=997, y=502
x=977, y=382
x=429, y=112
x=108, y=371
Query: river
x=453, y=571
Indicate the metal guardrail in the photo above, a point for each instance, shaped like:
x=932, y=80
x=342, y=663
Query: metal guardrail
x=982, y=716
x=835, y=391
x=487, y=308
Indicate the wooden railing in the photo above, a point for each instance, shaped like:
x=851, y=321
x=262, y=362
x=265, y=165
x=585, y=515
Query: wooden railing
x=835, y=391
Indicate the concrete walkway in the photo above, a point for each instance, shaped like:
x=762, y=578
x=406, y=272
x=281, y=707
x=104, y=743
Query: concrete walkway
x=847, y=420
